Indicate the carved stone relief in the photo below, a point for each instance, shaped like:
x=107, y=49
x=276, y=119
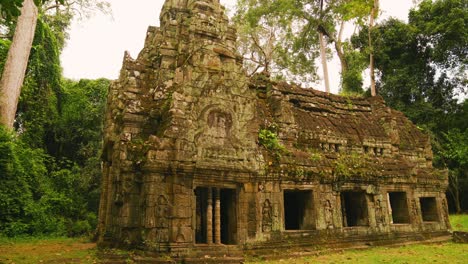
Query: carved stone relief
x=414, y=211
x=379, y=212
x=180, y=236
x=162, y=219
x=328, y=214
x=267, y=216
x=162, y=212
x=219, y=125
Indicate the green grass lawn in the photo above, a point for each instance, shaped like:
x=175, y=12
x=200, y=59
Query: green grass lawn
x=434, y=253
x=76, y=251
x=46, y=250
x=459, y=222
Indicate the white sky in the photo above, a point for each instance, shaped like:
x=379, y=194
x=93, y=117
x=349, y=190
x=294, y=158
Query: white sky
x=96, y=45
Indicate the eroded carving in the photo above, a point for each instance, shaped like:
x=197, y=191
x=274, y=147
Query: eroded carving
x=328, y=214
x=162, y=212
x=267, y=216
x=379, y=212
x=219, y=124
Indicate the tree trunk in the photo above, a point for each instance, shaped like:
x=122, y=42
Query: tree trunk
x=323, y=55
x=16, y=63
x=339, y=50
x=371, y=51
x=454, y=190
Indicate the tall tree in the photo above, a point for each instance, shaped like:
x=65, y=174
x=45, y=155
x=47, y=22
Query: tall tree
x=15, y=66
x=373, y=15
x=323, y=51
x=307, y=28
x=258, y=43
x=455, y=154
x=422, y=67
x=267, y=41
x=16, y=63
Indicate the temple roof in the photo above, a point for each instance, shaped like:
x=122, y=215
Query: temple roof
x=321, y=132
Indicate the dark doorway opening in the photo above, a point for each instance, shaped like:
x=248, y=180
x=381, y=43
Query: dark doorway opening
x=298, y=210
x=429, y=209
x=399, y=207
x=228, y=216
x=201, y=195
x=354, y=209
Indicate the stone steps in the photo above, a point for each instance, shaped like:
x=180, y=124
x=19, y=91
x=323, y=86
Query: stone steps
x=282, y=249
x=214, y=260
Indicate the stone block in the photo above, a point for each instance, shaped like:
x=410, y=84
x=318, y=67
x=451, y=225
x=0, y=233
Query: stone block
x=460, y=237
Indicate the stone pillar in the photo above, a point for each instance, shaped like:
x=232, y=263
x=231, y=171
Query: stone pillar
x=217, y=217
x=209, y=217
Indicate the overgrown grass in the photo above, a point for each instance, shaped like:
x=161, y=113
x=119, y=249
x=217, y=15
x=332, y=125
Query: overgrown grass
x=434, y=253
x=459, y=222
x=29, y=250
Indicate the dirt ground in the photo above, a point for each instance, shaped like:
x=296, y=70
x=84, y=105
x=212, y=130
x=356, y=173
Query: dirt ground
x=48, y=251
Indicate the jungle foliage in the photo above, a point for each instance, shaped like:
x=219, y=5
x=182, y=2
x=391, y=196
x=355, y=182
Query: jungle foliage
x=51, y=186
x=282, y=37
x=422, y=68
x=50, y=165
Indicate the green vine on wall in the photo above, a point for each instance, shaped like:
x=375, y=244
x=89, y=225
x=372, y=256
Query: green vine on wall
x=269, y=139
x=315, y=155
x=352, y=166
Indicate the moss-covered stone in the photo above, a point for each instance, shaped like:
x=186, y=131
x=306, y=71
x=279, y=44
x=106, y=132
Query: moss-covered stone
x=196, y=152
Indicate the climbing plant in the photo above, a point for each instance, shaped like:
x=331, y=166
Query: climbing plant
x=268, y=138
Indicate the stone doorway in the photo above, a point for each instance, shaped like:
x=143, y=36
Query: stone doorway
x=354, y=209
x=399, y=207
x=228, y=216
x=201, y=195
x=298, y=210
x=216, y=216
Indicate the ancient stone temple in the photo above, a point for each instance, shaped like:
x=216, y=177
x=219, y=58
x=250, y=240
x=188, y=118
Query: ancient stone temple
x=199, y=156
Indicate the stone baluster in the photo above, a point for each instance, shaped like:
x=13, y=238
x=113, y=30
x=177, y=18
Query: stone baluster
x=217, y=219
x=209, y=217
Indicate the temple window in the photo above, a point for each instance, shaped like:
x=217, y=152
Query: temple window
x=354, y=209
x=298, y=210
x=429, y=209
x=399, y=207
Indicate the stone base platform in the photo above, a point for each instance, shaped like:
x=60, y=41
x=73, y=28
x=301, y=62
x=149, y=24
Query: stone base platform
x=288, y=247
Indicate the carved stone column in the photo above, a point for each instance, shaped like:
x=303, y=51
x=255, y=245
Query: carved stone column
x=217, y=217
x=209, y=217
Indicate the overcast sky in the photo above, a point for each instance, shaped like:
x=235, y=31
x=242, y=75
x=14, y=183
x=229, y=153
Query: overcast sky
x=96, y=45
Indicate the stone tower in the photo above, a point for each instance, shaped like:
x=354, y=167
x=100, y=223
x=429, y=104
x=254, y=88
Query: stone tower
x=183, y=107
x=195, y=153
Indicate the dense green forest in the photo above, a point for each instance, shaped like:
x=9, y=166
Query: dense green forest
x=50, y=163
